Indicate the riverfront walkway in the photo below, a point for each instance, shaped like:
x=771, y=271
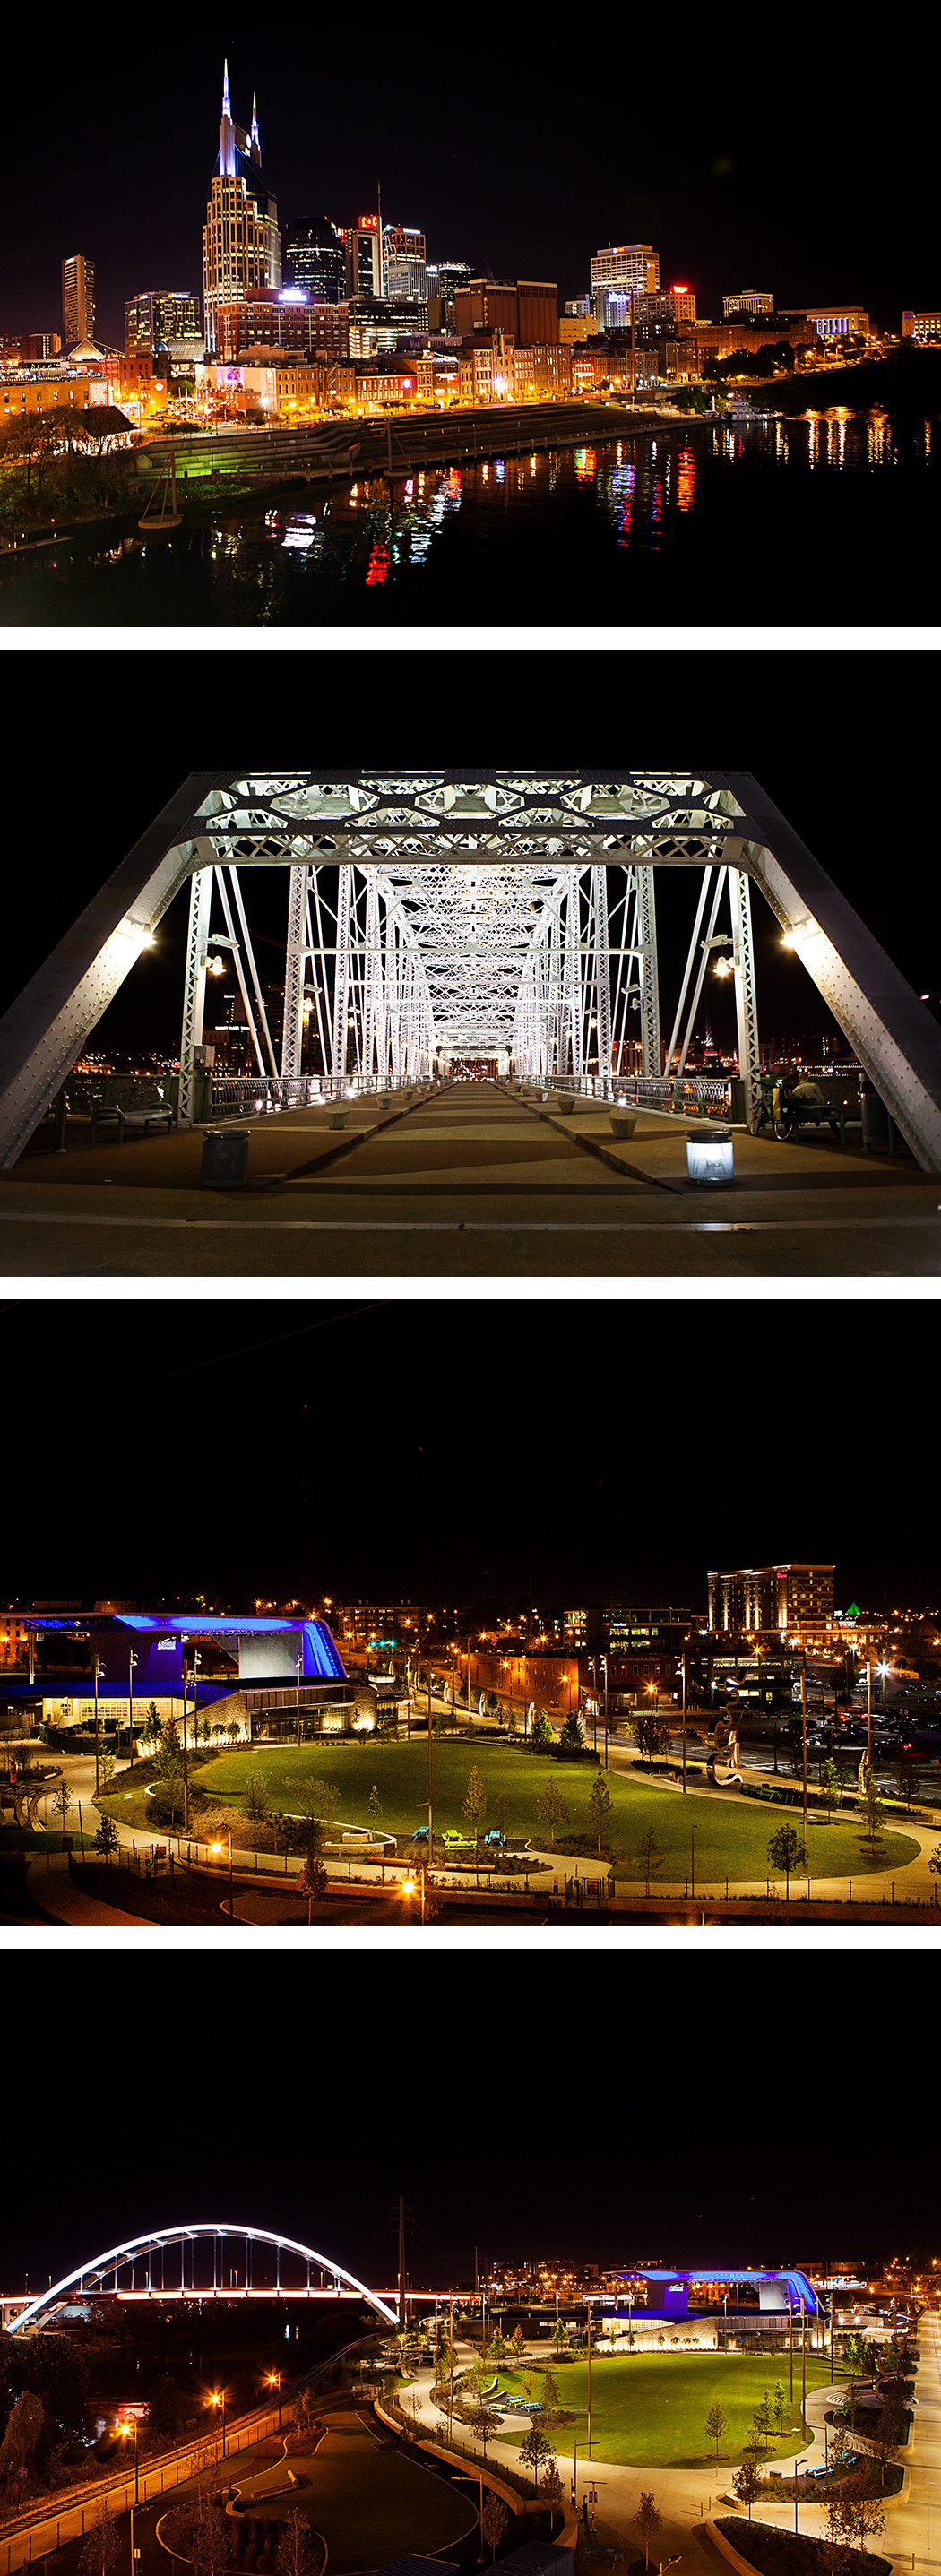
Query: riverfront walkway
x=467, y=1181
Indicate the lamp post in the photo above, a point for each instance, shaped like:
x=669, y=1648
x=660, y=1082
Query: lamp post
x=125, y=2430
x=131, y=1661
x=274, y=2381
x=218, y=2399
x=97, y=1669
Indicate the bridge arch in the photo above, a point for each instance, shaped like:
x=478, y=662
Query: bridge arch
x=90, y=2277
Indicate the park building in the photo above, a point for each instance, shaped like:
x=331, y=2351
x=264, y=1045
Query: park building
x=272, y=1678
x=738, y=2305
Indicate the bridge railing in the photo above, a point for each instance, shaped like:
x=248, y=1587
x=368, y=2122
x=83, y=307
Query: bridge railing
x=261, y=1095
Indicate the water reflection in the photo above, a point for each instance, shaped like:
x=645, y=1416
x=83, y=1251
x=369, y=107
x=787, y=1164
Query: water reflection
x=454, y=528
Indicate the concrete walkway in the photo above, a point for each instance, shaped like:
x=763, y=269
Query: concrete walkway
x=471, y=1180
x=53, y=1889
x=688, y=2497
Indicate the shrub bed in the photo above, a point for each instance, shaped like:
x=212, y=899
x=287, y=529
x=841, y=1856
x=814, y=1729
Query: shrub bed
x=784, y=2553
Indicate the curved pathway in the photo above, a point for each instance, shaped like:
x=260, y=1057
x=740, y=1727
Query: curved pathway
x=687, y=2497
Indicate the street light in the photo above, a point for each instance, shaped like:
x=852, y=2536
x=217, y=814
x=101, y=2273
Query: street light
x=274, y=2381
x=220, y=1847
x=217, y=2398
x=124, y=2430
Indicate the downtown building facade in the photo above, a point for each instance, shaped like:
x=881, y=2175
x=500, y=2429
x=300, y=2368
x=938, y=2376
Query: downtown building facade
x=788, y=1599
x=78, y=299
x=241, y=240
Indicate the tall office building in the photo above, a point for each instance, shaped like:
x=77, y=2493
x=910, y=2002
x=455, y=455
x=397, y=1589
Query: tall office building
x=403, y=261
x=750, y=299
x=786, y=1597
x=78, y=299
x=363, y=245
x=315, y=258
x=626, y=269
x=152, y=319
x=241, y=240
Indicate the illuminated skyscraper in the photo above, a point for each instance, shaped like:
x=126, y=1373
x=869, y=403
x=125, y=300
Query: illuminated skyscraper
x=78, y=299
x=241, y=241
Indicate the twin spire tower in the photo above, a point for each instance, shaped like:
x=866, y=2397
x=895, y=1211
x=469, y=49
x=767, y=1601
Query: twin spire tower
x=241, y=240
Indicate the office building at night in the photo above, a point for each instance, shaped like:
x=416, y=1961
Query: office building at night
x=788, y=1598
x=241, y=240
x=152, y=320
x=750, y=300
x=403, y=262
x=315, y=258
x=363, y=247
x=625, y=269
x=78, y=299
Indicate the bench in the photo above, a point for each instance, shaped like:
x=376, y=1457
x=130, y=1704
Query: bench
x=148, y=1115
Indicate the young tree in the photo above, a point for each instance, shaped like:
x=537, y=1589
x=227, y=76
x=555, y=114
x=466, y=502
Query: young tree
x=106, y=1770
x=779, y=2403
x=550, y=2398
x=494, y=2522
x=375, y=1805
x=716, y=2422
x=870, y=1804
x=256, y=1799
x=648, y=2522
x=518, y=2344
x=747, y=2481
x=784, y=1852
x=651, y=1857
x=106, y=1838
x=296, y=2553
x=600, y=1805
x=552, y=1811
x=650, y=1735
x=540, y=1735
x=475, y=1808
x=535, y=2449
x=100, y=2545
x=484, y=2423
x=861, y=2512
x=572, y=1734
x=552, y=2485
x=496, y=2349
x=856, y=2368
x=63, y=1799
x=830, y=1784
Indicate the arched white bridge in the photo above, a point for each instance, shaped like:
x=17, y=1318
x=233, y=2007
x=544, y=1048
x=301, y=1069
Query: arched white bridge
x=483, y=913
x=102, y=2274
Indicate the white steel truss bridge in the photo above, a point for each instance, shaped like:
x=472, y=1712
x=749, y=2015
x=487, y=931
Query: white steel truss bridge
x=211, y=2260
x=493, y=914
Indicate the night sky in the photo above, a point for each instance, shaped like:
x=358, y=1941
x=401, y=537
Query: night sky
x=825, y=734
x=431, y=1451
x=779, y=154
x=608, y=2109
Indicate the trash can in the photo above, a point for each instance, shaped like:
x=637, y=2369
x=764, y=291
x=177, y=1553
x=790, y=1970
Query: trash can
x=876, y=1138
x=224, y=1164
x=710, y=1157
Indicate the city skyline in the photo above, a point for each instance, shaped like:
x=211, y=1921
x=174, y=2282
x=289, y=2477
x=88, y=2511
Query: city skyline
x=735, y=187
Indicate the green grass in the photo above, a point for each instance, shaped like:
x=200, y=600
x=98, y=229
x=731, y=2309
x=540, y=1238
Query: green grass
x=649, y=2409
x=731, y=1838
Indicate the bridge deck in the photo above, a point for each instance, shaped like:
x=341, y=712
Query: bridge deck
x=471, y=1181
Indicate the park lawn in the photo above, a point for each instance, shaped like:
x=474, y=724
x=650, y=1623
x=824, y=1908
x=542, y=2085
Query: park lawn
x=731, y=1837
x=649, y=2410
